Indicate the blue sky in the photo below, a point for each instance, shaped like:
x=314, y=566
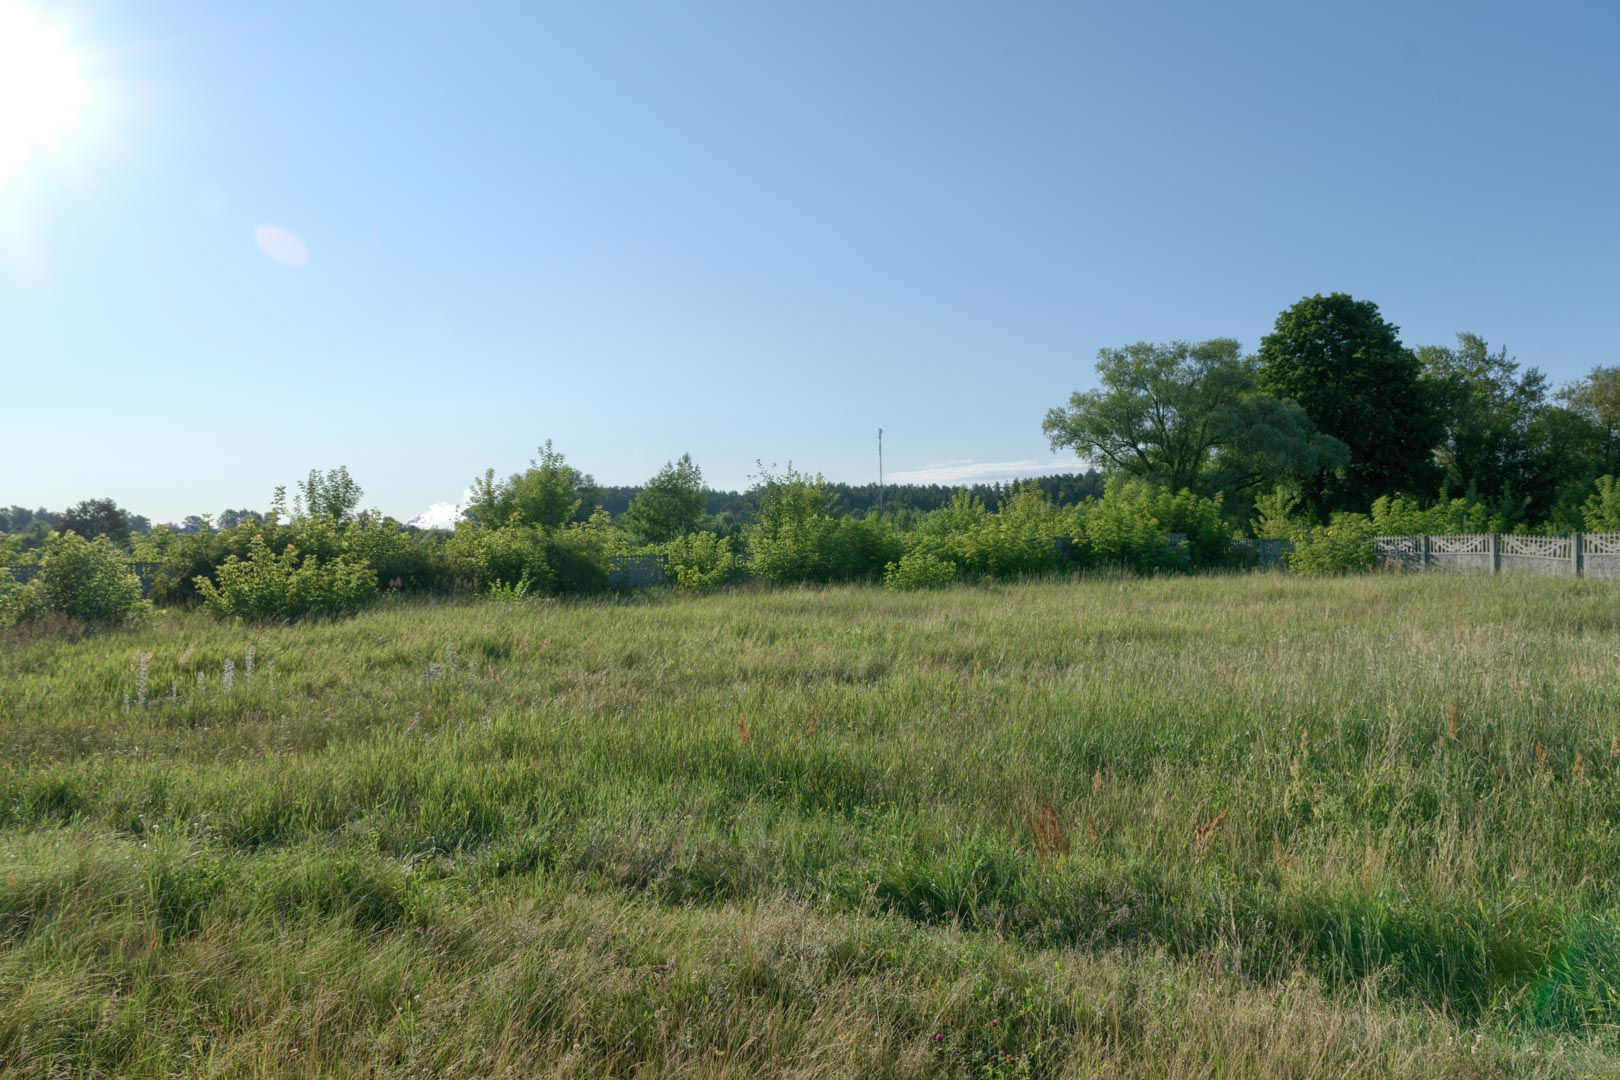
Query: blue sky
x=755, y=230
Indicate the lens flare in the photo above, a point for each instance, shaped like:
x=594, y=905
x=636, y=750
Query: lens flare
x=46, y=90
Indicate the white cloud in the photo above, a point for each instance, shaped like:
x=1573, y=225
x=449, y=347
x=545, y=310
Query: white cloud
x=441, y=515
x=985, y=472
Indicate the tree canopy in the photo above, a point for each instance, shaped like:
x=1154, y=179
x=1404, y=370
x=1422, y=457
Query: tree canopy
x=671, y=504
x=333, y=493
x=1345, y=364
x=1190, y=415
x=1488, y=411
x=97, y=517
x=547, y=494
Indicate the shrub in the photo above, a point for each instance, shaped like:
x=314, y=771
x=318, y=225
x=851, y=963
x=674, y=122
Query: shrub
x=507, y=556
x=578, y=556
x=1018, y=541
x=799, y=535
x=1343, y=546
x=270, y=586
x=509, y=594
x=919, y=570
x=1601, y=512
x=700, y=561
x=1120, y=531
x=88, y=580
x=1276, y=516
x=1400, y=516
x=19, y=603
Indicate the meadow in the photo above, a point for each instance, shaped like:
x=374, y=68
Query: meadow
x=1222, y=825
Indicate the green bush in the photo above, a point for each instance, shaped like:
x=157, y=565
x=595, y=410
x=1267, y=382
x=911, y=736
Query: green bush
x=285, y=586
x=506, y=556
x=1277, y=516
x=1601, y=512
x=88, y=580
x=700, y=561
x=578, y=556
x=1400, y=516
x=1342, y=546
x=1018, y=541
x=1120, y=532
x=799, y=535
x=19, y=603
x=919, y=570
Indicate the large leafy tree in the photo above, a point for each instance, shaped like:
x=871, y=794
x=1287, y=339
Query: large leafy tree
x=1345, y=364
x=98, y=517
x=1595, y=400
x=548, y=493
x=1190, y=416
x=333, y=493
x=1489, y=413
x=671, y=504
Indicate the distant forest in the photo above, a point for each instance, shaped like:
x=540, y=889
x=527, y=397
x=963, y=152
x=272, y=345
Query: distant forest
x=730, y=510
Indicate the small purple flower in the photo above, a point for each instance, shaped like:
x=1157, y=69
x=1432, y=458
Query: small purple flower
x=939, y=1036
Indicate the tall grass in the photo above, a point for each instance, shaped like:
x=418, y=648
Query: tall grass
x=1207, y=826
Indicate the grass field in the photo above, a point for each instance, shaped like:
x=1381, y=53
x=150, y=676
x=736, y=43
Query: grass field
x=1215, y=826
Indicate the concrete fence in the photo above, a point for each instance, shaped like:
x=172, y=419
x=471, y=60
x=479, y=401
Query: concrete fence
x=1593, y=555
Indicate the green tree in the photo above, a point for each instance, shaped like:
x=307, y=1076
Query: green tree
x=1338, y=358
x=798, y=534
x=1190, y=416
x=671, y=503
x=1601, y=512
x=1488, y=412
x=333, y=493
x=547, y=494
x=98, y=517
x=85, y=579
x=230, y=519
x=1596, y=401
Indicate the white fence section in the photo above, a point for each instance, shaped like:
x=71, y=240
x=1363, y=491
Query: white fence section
x=1593, y=555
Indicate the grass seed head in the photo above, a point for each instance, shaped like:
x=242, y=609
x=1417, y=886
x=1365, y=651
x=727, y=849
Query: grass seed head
x=1204, y=833
x=1051, y=838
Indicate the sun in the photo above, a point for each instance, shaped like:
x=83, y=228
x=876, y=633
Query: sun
x=46, y=91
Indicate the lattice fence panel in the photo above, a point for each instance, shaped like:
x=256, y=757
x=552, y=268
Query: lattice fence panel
x=1460, y=544
x=1537, y=547
x=1602, y=543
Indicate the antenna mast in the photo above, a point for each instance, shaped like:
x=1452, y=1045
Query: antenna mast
x=880, y=472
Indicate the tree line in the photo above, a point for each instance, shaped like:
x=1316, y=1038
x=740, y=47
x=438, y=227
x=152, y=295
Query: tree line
x=1334, y=409
x=1331, y=432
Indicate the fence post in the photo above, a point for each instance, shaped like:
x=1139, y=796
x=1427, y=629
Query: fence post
x=1423, y=561
x=1496, y=553
x=1577, y=553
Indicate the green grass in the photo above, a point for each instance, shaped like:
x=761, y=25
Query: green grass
x=828, y=833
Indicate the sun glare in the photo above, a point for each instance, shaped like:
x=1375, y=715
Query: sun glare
x=45, y=88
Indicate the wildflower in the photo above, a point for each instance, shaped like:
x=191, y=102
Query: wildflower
x=229, y=674
x=250, y=662
x=140, y=678
x=939, y=1036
